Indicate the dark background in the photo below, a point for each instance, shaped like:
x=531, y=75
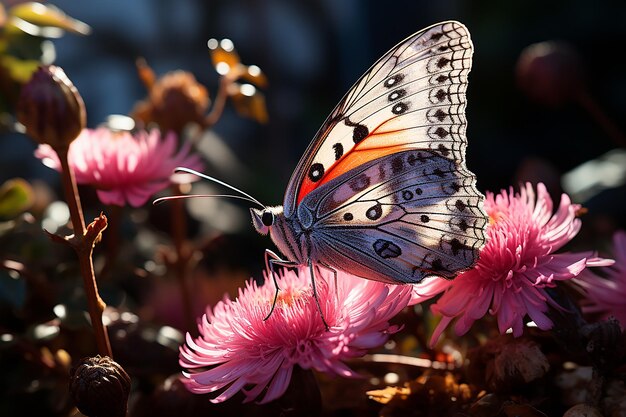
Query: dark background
x=312, y=52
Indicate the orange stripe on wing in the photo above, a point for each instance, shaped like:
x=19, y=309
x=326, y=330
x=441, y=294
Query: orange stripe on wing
x=350, y=161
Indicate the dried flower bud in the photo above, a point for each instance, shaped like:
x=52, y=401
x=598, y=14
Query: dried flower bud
x=100, y=387
x=604, y=342
x=550, y=72
x=51, y=108
x=506, y=364
x=176, y=99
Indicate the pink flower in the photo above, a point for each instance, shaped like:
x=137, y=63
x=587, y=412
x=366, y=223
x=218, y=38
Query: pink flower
x=124, y=168
x=243, y=352
x=516, y=266
x=608, y=295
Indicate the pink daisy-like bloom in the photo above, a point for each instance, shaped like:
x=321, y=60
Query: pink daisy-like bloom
x=607, y=295
x=124, y=168
x=516, y=265
x=245, y=353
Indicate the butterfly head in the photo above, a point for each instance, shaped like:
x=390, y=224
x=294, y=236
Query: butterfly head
x=264, y=219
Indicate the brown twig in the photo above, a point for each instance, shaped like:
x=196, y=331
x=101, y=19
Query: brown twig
x=222, y=95
x=83, y=241
x=112, y=242
x=598, y=114
x=183, y=256
x=71, y=193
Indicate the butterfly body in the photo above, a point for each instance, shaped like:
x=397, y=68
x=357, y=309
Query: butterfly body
x=383, y=191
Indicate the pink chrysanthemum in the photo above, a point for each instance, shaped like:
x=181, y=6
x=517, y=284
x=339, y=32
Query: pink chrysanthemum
x=607, y=295
x=245, y=353
x=124, y=168
x=516, y=265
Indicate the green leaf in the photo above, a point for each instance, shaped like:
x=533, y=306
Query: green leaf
x=19, y=70
x=46, y=15
x=16, y=196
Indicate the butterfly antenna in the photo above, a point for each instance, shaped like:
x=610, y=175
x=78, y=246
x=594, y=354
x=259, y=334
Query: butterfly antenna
x=222, y=183
x=180, y=197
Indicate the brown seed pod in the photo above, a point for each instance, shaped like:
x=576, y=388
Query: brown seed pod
x=100, y=387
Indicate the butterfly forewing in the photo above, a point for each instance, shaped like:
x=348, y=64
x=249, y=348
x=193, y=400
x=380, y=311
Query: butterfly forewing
x=413, y=97
x=399, y=218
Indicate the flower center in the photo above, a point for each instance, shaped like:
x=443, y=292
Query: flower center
x=288, y=296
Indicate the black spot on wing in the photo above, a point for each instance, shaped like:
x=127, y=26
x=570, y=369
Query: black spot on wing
x=359, y=131
x=374, y=212
x=391, y=81
x=441, y=132
x=442, y=62
x=397, y=165
x=359, y=183
x=316, y=172
x=456, y=246
x=436, y=36
x=386, y=249
x=437, y=265
x=443, y=150
x=394, y=95
x=338, y=148
x=399, y=108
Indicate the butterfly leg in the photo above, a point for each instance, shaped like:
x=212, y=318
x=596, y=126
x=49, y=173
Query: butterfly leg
x=272, y=259
x=317, y=301
x=330, y=268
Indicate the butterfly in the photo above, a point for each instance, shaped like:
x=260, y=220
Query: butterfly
x=383, y=191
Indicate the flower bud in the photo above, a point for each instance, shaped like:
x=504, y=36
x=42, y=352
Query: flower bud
x=100, y=387
x=51, y=108
x=550, y=73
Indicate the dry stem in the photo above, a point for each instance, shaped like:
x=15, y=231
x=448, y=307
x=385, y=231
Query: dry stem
x=83, y=241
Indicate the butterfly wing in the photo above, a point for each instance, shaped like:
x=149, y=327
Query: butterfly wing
x=413, y=97
x=398, y=218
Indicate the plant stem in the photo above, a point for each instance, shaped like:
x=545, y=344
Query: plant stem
x=598, y=114
x=112, y=241
x=71, y=194
x=95, y=303
x=83, y=242
x=179, y=232
x=219, y=102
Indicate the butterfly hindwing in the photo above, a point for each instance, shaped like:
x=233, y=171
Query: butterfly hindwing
x=413, y=97
x=399, y=218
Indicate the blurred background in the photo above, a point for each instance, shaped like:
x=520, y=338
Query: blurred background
x=312, y=52
x=539, y=121
x=546, y=103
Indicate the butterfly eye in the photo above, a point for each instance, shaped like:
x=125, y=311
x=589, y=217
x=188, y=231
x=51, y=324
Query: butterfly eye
x=267, y=218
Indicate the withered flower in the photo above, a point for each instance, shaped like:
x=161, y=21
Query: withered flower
x=50, y=108
x=438, y=394
x=506, y=364
x=174, y=100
